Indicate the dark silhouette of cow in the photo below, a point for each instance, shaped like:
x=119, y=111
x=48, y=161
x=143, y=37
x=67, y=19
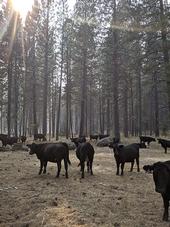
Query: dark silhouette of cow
x=23, y=139
x=85, y=153
x=164, y=143
x=78, y=140
x=146, y=139
x=94, y=137
x=40, y=137
x=124, y=154
x=51, y=153
x=161, y=177
x=101, y=136
x=8, y=140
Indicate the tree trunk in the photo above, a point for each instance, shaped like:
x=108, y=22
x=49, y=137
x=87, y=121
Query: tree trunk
x=9, y=95
x=46, y=71
x=165, y=48
x=132, y=108
x=35, y=130
x=83, y=95
x=139, y=103
x=156, y=104
x=125, y=104
x=108, y=116
x=115, y=75
x=16, y=99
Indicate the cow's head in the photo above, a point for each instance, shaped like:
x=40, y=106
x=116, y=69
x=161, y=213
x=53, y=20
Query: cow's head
x=161, y=176
x=32, y=148
x=116, y=147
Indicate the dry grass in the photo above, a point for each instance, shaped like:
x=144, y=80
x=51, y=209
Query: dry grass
x=27, y=199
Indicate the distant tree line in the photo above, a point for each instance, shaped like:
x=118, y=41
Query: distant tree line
x=104, y=68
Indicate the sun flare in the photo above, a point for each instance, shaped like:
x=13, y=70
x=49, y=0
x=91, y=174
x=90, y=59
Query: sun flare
x=22, y=6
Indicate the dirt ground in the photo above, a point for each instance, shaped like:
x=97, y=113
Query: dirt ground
x=28, y=200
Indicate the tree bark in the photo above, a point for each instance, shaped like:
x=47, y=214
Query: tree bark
x=165, y=49
x=46, y=71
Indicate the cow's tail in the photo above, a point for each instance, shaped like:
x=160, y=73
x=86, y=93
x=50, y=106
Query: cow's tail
x=68, y=160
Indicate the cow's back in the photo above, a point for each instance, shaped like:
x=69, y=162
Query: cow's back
x=55, y=152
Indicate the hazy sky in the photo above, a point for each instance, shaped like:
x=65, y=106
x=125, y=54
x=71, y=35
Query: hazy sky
x=71, y=3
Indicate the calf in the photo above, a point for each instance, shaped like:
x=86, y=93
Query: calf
x=23, y=139
x=85, y=152
x=94, y=137
x=101, y=136
x=146, y=139
x=164, y=143
x=161, y=177
x=52, y=153
x=40, y=137
x=124, y=154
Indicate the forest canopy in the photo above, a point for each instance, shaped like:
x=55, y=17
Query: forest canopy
x=101, y=68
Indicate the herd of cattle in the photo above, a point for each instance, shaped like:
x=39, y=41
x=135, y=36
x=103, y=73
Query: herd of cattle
x=56, y=152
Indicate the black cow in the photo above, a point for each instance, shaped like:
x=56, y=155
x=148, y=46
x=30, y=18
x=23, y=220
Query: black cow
x=85, y=152
x=3, y=138
x=23, y=139
x=53, y=153
x=161, y=176
x=101, y=136
x=78, y=140
x=94, y=137
x=8, y=140
x=146, y=139
x=40, y=137
x=124, y=154
x=164, y=143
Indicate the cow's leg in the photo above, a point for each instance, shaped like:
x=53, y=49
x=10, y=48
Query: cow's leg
x=88, y=166
x=41, y=167
x=117, y=164
x=165, y=150
x=59, y=168
x=132, y=164
x=45, y=166
x=66, y=167
x=122, y=167
x=91, y=167
x=166, y=206
x=137, y=163
x=82, y=169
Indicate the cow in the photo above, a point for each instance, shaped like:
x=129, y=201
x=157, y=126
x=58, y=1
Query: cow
x=161, y=177
x=78, y=140
x=164, y=143
x=94, y=137
x=23, y=139
x=85, y=152
x=53, y=153
x=3, y=138
x=8, y=140
x=40, y=137
x=147, y=139
x=101, y=136
x=124, y=154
